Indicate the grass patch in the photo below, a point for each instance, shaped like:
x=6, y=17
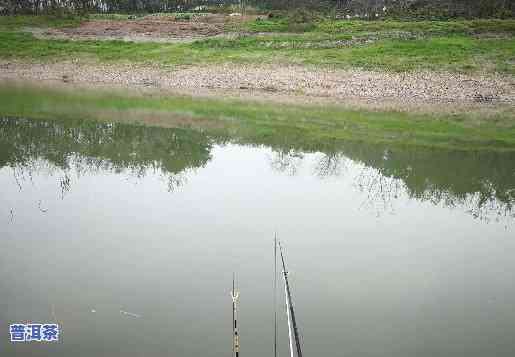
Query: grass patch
x=386, y=45
x=20, y=21
x=450, y=27
x=455, y=53
x=311, y=125
x=25, y=45
x=427, y=28
x=267, y=25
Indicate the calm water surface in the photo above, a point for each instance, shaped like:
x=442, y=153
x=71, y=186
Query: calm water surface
x=392, y=251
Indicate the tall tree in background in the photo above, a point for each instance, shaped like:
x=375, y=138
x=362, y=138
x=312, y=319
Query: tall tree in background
x=414, y=8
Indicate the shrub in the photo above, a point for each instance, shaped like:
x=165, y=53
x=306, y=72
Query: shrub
x=301, y=16
x=183, y=16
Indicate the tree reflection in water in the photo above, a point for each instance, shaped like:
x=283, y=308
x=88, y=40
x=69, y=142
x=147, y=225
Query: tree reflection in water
x=481, y=183
x=286, y=161
x=331, y=164
x=61, y=148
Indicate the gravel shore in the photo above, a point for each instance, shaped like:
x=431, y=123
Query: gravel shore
x=291, y=82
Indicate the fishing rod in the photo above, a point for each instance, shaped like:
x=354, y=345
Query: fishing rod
x=292, y=324
x=236, y=338
x=275, y=295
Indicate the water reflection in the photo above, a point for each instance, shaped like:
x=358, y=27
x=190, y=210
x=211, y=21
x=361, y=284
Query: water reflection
x=481, y=183
x=56, y=148
x=94, y=231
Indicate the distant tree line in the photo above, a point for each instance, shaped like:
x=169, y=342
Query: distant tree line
x=103, y=6
x=361, y=8
x=430, y=8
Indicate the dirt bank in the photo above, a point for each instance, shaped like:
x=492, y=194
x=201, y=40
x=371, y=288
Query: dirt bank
x=286, y=83
x=148, y=28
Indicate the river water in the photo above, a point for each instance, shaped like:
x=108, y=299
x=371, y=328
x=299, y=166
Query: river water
x=391, y=251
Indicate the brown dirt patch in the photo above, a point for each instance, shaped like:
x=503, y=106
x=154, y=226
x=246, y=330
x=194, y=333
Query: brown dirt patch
x=148, y=28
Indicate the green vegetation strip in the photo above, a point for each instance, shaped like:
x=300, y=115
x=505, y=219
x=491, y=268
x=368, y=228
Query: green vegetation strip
x=456, y=53
x=462, y=46
x=357, y=26
x=289, y=23
x=307, y=126
x=20, y=21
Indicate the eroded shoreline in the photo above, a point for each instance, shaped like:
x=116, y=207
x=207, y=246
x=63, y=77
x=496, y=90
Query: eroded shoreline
x=416, y=91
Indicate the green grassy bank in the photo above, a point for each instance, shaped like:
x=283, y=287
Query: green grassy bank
x=423, y=27
x=310, y=125
x=456, y=46
x=458, y=53
x=21, y=21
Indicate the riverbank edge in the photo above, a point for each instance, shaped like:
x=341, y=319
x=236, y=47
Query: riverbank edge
x=290, y=83
x=259, y=120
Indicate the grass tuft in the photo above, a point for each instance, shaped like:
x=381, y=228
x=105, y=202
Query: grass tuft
x=20, y=21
